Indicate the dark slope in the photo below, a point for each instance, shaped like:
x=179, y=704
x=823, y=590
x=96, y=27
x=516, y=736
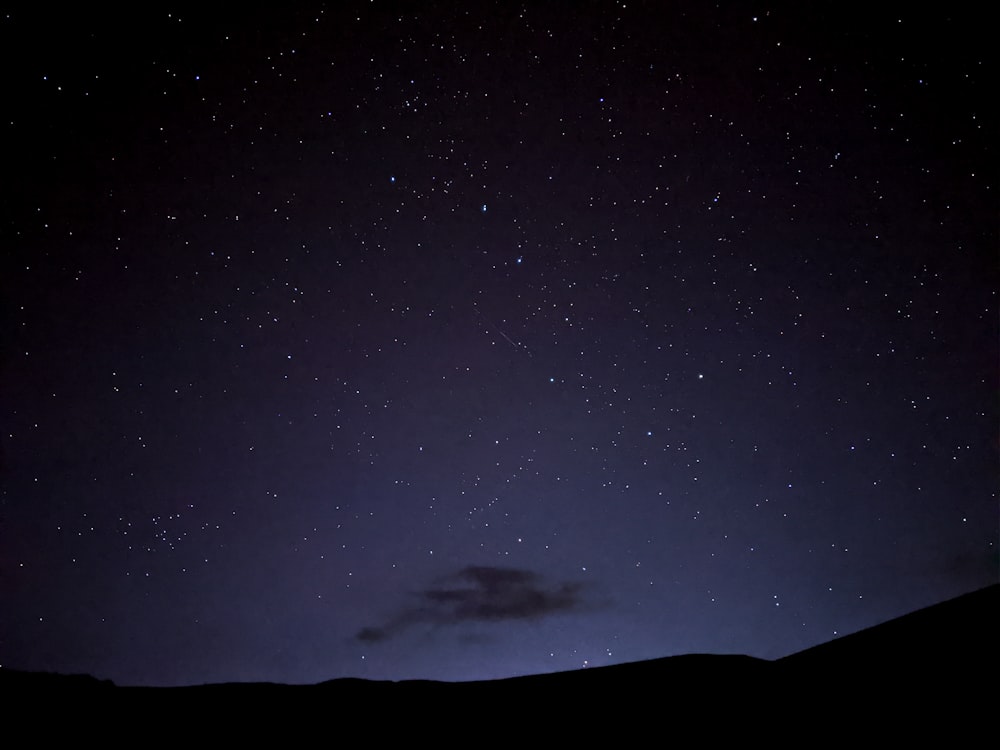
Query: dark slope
x=957, y=638
x=932, y=669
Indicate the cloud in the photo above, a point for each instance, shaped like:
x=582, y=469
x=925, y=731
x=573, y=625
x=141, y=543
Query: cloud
x=481, y=593
x=372, y=635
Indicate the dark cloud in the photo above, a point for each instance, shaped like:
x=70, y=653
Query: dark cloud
x=481, y=593
x=372, y=635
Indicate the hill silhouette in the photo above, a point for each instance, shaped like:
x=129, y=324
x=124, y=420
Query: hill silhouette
x=932, y=668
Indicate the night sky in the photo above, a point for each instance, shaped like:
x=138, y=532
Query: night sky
x=465, y=340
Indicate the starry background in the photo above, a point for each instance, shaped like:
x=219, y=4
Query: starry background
x=431, y=341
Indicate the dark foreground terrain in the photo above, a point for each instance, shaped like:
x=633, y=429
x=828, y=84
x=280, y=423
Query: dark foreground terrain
x=932, y=671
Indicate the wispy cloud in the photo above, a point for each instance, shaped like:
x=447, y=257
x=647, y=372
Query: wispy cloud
x=480, y=593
